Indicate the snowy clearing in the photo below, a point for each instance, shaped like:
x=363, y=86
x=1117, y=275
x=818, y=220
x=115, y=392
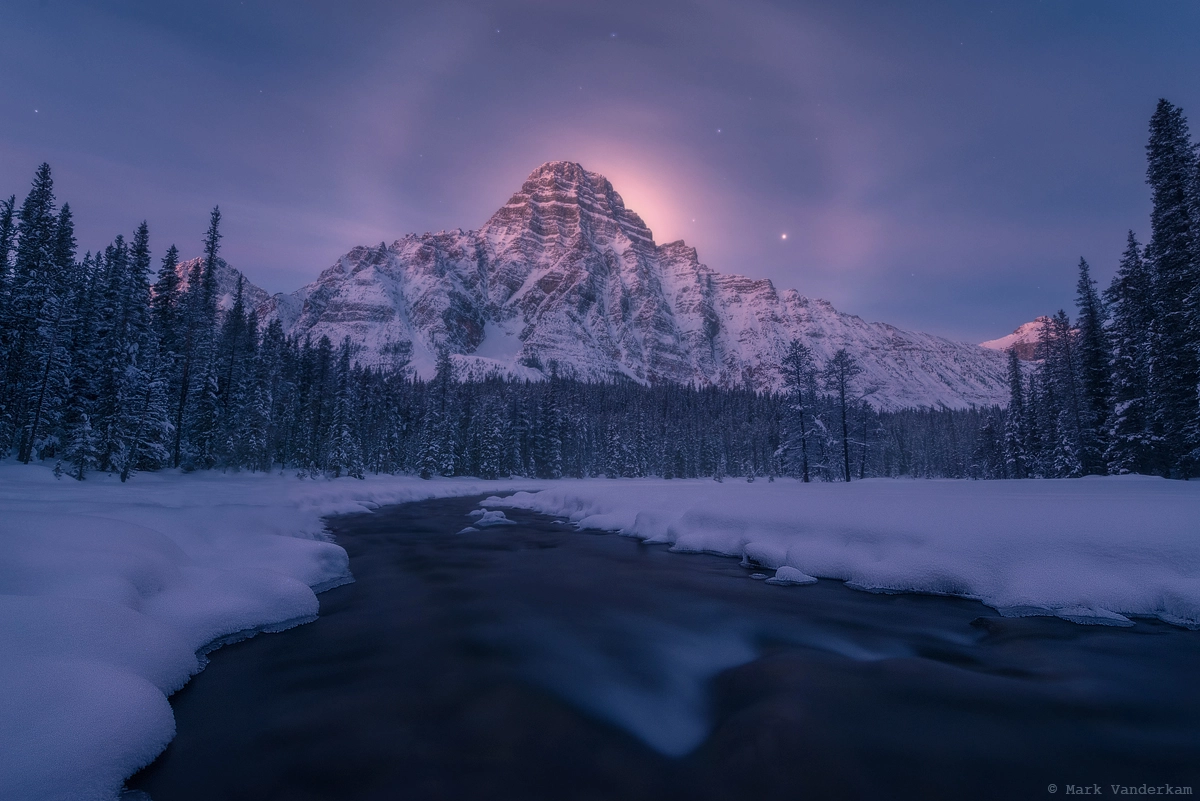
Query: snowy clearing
x=110, y=594
x=1093, y=550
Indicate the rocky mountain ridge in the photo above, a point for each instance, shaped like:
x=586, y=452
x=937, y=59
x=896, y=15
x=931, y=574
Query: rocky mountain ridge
x=564, y=277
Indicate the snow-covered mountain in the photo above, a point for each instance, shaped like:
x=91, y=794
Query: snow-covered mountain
x=565, y=277
x=1023, y=340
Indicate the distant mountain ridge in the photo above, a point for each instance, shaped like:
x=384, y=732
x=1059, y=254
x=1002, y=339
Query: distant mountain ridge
x=564, y=276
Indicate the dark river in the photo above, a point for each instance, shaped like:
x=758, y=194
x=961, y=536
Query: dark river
x=532, y=661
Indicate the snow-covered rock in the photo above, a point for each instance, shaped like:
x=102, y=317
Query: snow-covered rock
x=565, y=277
x=789, y=576
x=1023, y=340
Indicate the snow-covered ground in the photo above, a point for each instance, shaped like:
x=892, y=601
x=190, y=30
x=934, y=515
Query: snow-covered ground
x=1092, y=550
x=109, y=591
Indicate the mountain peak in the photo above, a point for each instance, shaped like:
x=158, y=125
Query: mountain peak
x=1024, y=339
x=564, y=274
x=567, y=170
x=562, y=200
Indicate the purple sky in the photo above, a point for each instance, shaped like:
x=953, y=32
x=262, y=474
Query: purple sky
x=940, y=168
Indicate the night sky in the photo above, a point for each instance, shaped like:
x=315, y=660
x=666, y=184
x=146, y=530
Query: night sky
x=941, y=168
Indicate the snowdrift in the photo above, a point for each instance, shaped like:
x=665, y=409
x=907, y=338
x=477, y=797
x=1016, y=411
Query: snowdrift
x=1091, y=550
x=111, y=594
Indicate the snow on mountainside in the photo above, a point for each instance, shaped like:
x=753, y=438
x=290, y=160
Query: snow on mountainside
x=565, y=277
x=1024, y=340
x=227, y=283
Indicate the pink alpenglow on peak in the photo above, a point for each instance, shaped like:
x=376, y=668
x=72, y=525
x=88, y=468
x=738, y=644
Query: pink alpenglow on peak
x=565, y=278
x=1024, y=339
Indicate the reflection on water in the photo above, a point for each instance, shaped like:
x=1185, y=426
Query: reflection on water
x=533, y=661
x=646, y=675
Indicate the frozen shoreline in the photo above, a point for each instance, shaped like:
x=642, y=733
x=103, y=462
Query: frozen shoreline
x=1093, y=550
x=111, y=593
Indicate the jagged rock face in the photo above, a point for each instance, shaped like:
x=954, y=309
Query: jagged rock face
x=564, y=277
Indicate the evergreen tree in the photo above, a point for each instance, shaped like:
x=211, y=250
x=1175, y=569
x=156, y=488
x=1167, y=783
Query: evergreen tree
x=799, y=379
x=8, y=235
x=198, y=317
x=1131, y=444
x=344, y=455
x=165, y=302
x=51, y=357
x=1095, y=366
x=36, y=280
x=839, y=374
x=1016, y=454
x=1174, y=364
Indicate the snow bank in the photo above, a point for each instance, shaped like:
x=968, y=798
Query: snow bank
x=1093, y=550
x=109, y=592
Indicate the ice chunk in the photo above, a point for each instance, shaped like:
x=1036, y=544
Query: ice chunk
x=788, y=575
x=493, y=518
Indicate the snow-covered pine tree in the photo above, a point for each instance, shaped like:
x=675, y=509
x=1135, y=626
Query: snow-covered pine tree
x=1061, y=381
x=546, y=437
x=839, y=374
x=491, y=426
x=1130, y=441
x=1174, y=360
x=1095, y=374
x=345, y=456
x=1016, y=456
x=164, y=304
x=108, y=417
x=151, y=435
x=51, y=356
x=8, y=234
x=34, y=283
x=80, y=451
x=205, y=422
x=988, y=456
x=141, y=426
x=799, y=380
x=197, y=324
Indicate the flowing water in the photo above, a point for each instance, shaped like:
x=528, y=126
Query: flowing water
x=532, y=661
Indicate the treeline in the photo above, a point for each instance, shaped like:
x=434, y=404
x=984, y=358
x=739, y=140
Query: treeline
x=109, y=363
x=1118, y=390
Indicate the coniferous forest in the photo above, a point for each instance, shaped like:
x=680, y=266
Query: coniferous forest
x=113, y=361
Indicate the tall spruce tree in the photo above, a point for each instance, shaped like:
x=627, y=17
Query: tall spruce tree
x=1174, y=363
x=840, y=372
x=1016, y=455
x=1130, y=298
x=799, y=379
x=1095, y=370
x=32, y=297
x=52, y=355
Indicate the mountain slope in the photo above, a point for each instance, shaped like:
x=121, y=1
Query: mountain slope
x=1024, y=340
x=564, y=277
